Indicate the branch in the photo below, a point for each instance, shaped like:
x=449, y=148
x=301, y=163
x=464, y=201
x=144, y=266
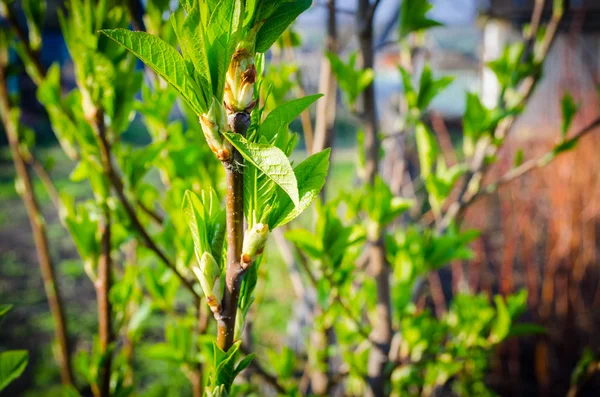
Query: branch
x=266, y=376
x=147, y=240
x=533, y=164
x=479, y=167
x=234, y=272
x=40, y=237
x=22, y=36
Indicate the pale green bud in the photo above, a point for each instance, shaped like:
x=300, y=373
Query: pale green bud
x=254, y=243
x=213, y=125
x=209, y=275
x=239, y=84
x=218, y=391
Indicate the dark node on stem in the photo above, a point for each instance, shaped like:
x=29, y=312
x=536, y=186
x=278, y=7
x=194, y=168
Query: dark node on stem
x=240, y=122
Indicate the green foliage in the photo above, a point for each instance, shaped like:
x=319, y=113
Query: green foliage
x=429, y=88
x=569, y=110
x=413, y=17
x=277, y=16
x=12, y=365
x=164, y=60
x=12, y=362
x=352, y=80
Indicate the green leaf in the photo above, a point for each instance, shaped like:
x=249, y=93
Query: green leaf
x=281, y=117
x=311, y=175
x=12, y=365
x=353, y=81
x=413, y=17
x=427, y=149
x=220, y=43
x=569, y=110
x=224, y=364
x=429, y=87
x=306, y=241
x=278, y=21
x=164, y=60
x=271, y=161
x=35, y=11
x=206, y=220
x=4, y=309
x=526, y=329
x=501, y=326
x=246, y=361
x=190, y=35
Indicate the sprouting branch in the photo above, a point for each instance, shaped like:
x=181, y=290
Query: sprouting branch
x=533, y=164
x=479, y=167
x=147, y=240
x=234, y=272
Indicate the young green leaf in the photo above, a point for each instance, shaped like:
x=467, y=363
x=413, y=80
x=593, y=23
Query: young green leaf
x=278, y=21
x=413, y=17
x=190, y=34
x=569, y=110
x=429, y=87
x=271, y=161
x=4, y=309
x=281, y=117
x=427, y=149
x=164, y=60
x=353, y=81
x=12, y=365
x=311, y=175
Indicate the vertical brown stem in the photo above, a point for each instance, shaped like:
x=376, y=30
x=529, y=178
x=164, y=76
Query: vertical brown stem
x=39, y=235
x=234, y=273
x=378, y=267
x=103, y=282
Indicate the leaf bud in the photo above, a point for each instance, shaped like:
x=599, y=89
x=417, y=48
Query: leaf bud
x=213, y=124
x=209, y=275
x=254, y=243
x=239, y=83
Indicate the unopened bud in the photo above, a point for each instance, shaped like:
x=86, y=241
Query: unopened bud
x=209, y=275
x=213, y=124
x=254, y=243
x=239, y=85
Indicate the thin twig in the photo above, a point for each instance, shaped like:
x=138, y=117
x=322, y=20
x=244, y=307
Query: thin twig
x=532, y=164
x=40, y=237
x=264, y=374
x=479, y=166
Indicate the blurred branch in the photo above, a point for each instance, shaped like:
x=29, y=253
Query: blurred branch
x=11, y=16
x=147, y=240
x=479, y=167
x=337, y=9
x=533, y=164
x=41, y=172
x=266, y=376
x=38, y=227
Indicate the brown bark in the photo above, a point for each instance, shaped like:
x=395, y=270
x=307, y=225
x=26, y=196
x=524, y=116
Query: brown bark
x=378, y=267
x=103, y=282
x=325, y=115
x=102, y=285
x=234, y=272
x=39, y=235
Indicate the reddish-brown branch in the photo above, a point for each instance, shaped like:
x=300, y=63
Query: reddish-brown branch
x=234, y=272
x=39, y=235
x=103, y=281
x=378, y=267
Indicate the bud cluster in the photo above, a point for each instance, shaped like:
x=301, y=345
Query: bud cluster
x=254, y=244
x=213, y=125
x=239, y=84
x=209, y=275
